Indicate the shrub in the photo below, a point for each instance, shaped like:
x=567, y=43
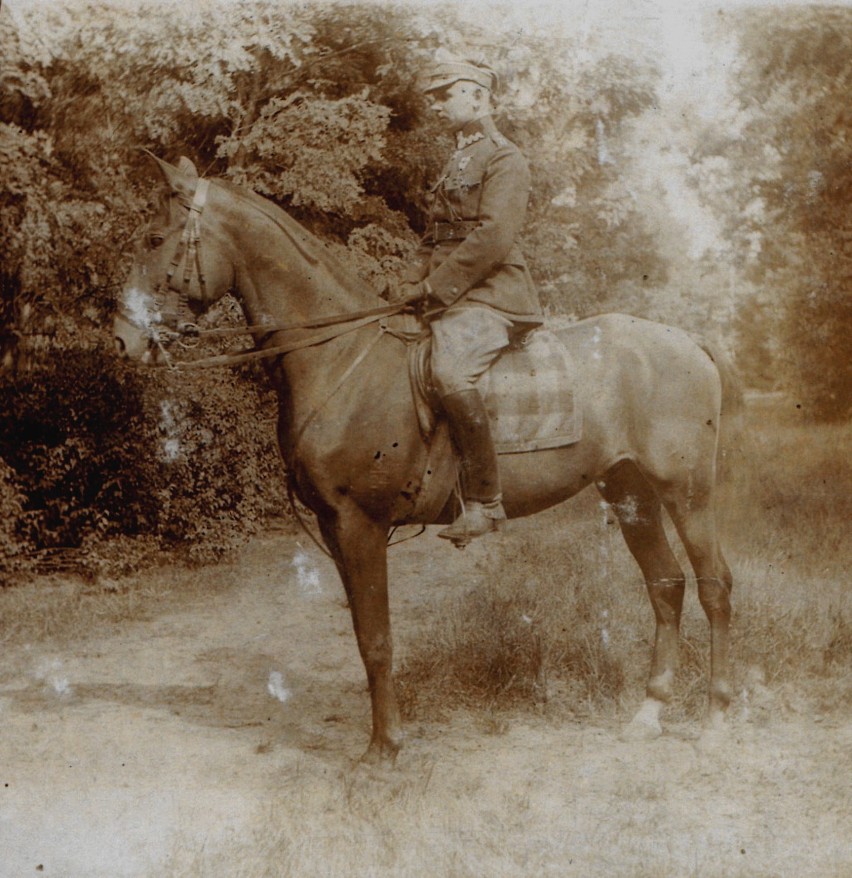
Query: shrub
x=94, y=450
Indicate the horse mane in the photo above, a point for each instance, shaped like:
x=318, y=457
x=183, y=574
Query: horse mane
x=313, y=249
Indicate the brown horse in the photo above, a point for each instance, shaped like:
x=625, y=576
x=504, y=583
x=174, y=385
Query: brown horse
x=348, y=431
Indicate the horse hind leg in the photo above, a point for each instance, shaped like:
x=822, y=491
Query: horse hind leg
x=694, y=517
x=639, y=513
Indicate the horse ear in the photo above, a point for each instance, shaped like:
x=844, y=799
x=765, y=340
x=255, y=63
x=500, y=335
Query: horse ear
x=185, y=166
x=182, y=179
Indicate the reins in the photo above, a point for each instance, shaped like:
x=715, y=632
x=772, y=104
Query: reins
x=334, y=326
x=315, y=323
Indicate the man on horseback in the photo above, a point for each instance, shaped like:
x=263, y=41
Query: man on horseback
x=469, y=261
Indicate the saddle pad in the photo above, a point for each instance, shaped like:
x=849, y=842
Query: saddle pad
x=529, y=394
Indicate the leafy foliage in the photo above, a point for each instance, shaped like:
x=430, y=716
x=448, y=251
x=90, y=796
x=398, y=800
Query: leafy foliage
x=799, y=73
x=91, y=447
x=287, y=154
x=317, y=107
x=25, y=215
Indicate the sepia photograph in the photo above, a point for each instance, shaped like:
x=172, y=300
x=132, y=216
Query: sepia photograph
x=425, y=439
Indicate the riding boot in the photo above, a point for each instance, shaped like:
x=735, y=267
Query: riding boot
x=482, y=508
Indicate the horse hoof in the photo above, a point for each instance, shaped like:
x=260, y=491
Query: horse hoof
x=645, y=726
x=381, y=753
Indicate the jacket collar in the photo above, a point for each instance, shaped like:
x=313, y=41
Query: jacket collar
x=473, y=131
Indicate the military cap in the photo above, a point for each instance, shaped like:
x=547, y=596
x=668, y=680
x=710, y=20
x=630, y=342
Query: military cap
x=447, y=72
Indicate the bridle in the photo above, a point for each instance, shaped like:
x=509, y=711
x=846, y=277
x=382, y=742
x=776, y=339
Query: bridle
x=172, y=320
x=175, y=322
x=175, y=300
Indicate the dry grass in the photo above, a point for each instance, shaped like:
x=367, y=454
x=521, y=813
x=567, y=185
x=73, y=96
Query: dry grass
x=63, y=609
x=561, y=608
x=68, y=607
x=364, y=825
x=547, y=613
x=532, y=806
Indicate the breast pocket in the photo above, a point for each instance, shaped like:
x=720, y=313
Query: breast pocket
x=463, y=192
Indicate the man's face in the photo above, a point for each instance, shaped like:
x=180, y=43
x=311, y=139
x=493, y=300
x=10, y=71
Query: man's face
x=458, y=104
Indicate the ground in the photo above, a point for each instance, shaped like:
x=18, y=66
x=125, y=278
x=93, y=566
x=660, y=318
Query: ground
x=218, y=734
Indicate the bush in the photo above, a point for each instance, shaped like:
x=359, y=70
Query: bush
x=12, y=544
x=63, y=432
x=94, y=450
x=219, y=470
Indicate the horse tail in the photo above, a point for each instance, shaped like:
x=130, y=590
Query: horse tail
x=733, y=398
x=731, y=416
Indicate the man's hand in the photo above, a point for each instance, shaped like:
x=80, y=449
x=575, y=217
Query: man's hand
x=407, y=293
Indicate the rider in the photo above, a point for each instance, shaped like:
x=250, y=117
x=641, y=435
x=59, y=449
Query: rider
x=469, y=261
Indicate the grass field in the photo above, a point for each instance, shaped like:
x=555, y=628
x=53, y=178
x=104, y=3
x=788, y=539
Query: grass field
x=561, y=603
x=141, y=735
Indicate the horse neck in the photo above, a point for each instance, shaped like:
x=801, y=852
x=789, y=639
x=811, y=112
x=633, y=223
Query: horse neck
x=283, y=273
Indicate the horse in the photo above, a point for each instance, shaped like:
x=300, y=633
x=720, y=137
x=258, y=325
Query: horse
x=651, y=400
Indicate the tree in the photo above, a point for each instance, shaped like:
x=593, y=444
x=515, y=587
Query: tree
x=796, y=81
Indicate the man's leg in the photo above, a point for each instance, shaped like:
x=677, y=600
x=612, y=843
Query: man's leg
x=480, y=478
x=465, y=343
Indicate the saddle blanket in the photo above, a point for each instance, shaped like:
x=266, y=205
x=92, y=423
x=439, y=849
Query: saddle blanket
x=528, y=392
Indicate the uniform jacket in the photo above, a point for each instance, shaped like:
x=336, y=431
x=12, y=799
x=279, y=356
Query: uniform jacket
x=486, y=180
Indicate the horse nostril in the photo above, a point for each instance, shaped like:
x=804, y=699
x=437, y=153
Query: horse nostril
x=120, y=348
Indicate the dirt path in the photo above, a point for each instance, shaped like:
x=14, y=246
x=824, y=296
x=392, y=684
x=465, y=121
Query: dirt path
x=218, y=737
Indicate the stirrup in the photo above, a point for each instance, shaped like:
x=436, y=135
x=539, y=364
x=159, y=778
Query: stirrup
x=476, y=519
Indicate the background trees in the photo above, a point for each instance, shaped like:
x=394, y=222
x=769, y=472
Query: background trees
x=316, y=106
x=799, y=76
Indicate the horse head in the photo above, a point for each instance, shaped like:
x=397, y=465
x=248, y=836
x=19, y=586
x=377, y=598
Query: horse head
x=177, y=271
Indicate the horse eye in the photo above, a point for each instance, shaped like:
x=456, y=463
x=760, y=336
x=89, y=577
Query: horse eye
x=155, y=239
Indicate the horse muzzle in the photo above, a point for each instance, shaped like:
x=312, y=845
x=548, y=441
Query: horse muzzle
x=134, y=342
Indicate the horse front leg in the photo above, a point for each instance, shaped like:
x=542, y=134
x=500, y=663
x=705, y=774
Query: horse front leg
x=359, y=547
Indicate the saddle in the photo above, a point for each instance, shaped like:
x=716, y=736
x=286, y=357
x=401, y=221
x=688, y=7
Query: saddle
x=528, y=393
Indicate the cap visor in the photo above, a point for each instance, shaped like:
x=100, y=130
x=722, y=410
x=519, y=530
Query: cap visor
x=439, y=82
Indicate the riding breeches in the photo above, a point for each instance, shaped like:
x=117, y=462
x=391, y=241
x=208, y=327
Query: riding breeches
x=465, y=342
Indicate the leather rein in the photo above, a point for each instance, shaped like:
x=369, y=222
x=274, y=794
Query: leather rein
x=176, y=325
